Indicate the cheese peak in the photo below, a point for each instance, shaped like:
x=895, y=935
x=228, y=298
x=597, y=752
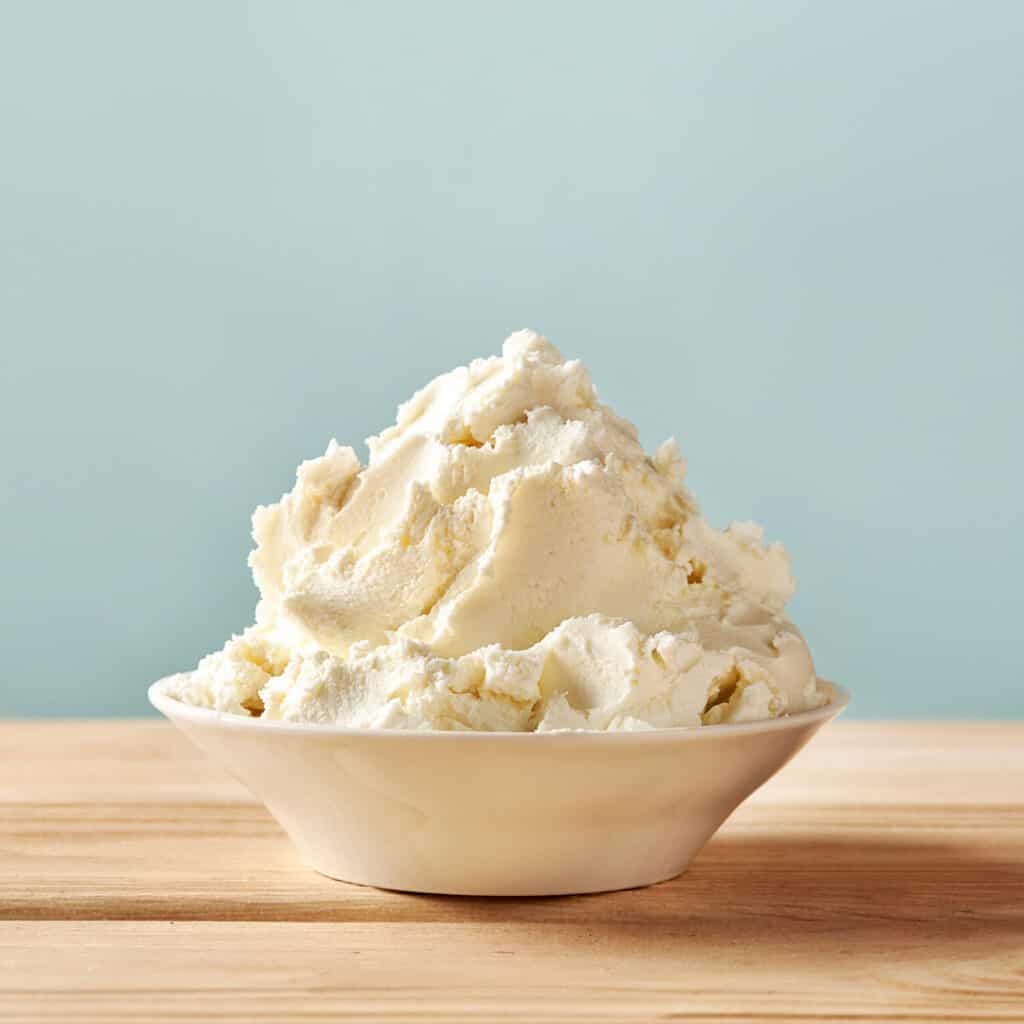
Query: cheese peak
x=509, y=559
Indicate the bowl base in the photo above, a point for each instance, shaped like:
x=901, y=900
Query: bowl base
x=506, y=891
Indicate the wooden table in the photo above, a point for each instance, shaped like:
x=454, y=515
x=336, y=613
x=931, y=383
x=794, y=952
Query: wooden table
x=878, y=877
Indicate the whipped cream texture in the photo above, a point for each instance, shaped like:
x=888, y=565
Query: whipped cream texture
x=509, y=559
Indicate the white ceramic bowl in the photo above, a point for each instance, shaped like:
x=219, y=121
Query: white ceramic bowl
x=498, y=814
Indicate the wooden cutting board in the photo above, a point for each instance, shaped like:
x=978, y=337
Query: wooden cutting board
x=880, y=876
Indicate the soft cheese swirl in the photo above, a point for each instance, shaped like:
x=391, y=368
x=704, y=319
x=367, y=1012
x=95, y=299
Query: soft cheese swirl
x=509, y=559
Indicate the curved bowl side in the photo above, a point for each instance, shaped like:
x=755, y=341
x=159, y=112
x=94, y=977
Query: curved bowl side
x=502, y=814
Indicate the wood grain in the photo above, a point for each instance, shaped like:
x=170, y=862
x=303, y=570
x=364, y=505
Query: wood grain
x=880, y=876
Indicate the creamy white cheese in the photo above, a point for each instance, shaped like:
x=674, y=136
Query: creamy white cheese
x=510, y=559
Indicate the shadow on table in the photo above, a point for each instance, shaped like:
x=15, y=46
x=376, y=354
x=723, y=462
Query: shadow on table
x=744, y=888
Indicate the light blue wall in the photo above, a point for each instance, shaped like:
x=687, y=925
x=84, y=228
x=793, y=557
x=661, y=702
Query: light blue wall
x=790, y=233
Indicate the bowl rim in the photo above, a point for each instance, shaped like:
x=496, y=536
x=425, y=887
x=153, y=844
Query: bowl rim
x=175, y=709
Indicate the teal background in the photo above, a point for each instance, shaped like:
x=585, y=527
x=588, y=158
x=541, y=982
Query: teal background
x=790, y=233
